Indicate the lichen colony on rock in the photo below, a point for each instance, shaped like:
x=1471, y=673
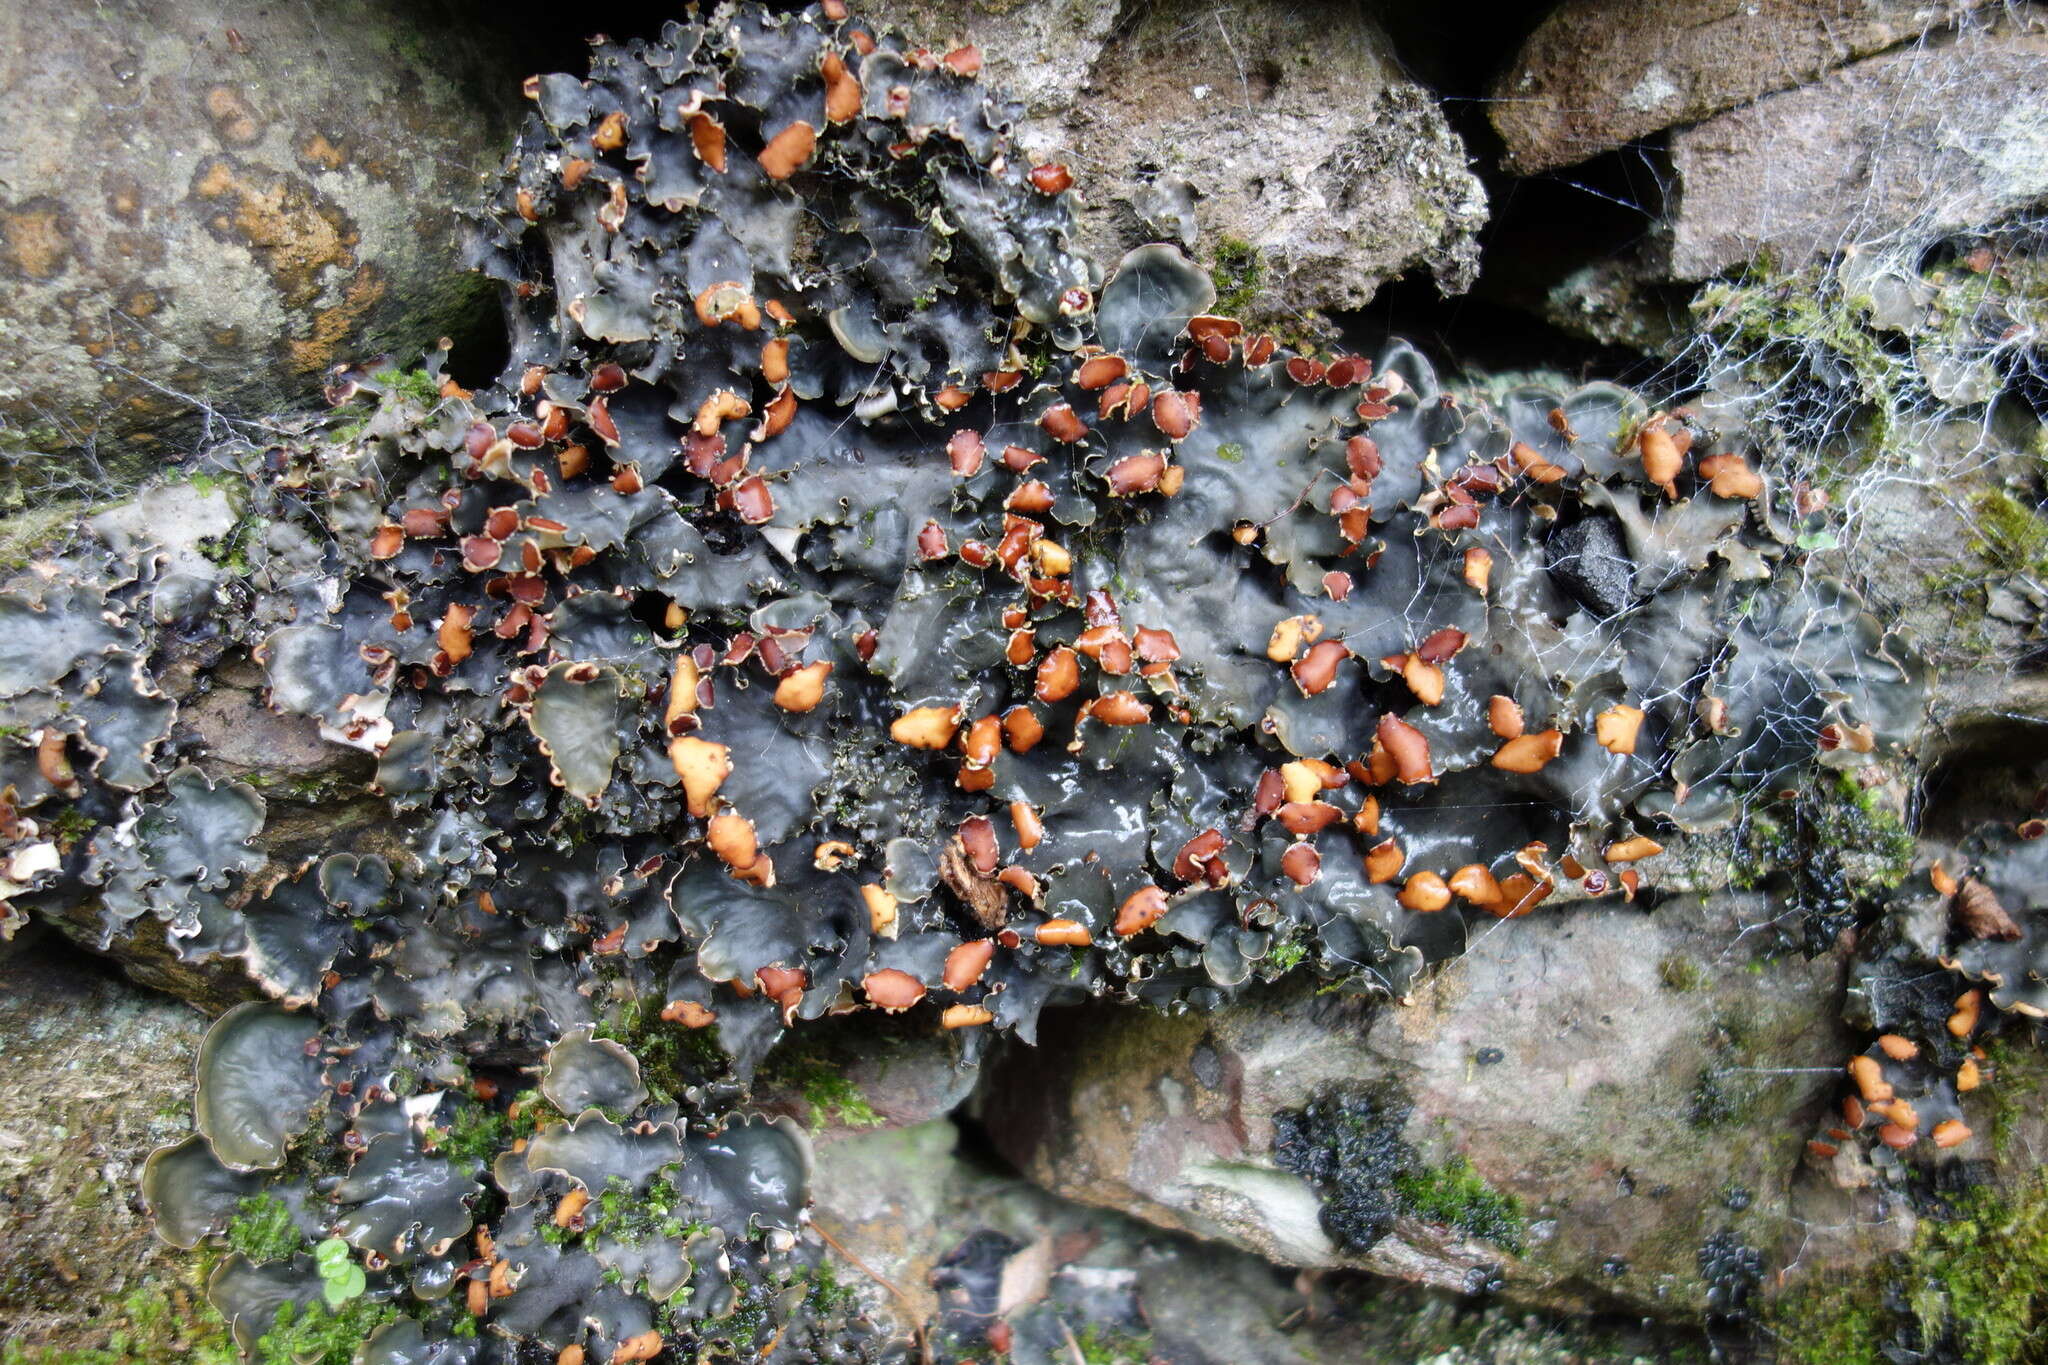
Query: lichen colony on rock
x=849, y=600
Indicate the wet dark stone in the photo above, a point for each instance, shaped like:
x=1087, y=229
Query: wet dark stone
x=1588, y=560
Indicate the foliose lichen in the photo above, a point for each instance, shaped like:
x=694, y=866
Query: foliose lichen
x=845, y=599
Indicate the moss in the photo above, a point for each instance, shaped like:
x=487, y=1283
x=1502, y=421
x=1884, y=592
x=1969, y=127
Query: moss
x=1680, y=973
x=1286, y=956
x=1799, y=332
x=480, y=1132
x=1238, y=273
x=29, y=529
x=2013, y=1077
x=833, y=1098
x=1456, y=1195
x=156, y=1324
x=1973, y=1286
x=71, y=825
x=635, y=1218
x=1841, y=1323
x=743, y=1325
x=826, y=1294
x=262, y=1229
x=320, y=1336
x=2011, y=536
x=673, y=1059
x=417, y=385
x=1099, y=1345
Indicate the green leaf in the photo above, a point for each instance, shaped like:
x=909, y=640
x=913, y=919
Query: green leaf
x=339, y=1288
x=331, y=1255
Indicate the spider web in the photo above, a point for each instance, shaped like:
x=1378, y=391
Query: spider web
x=1891, y=369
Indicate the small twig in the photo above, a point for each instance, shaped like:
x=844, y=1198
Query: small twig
x=1073, y=1346
x=924, y=1350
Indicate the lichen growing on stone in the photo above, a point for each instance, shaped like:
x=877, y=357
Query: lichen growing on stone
x=848, y=600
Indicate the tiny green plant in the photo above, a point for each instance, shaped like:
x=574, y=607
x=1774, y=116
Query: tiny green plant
x=341, y=1279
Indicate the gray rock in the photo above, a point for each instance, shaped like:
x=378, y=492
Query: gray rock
x=1288, y=138
x=1619, y=302
x=211, y=203
x=905, y=1200
x=1628, y=1077
x=1598, y=73
x=1935, y=138
x=94, y=1075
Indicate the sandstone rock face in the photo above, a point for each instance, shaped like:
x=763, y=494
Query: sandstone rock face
x=1597, y=73
x=1636, y=1080
x=1933, y=138
x=1283, y=142
x=211, y=203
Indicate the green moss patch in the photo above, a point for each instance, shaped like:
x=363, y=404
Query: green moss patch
x=1457, y=1196
x=262, y=1229
x=1973, y=1286
x=157, y=1324
x=1238, y=273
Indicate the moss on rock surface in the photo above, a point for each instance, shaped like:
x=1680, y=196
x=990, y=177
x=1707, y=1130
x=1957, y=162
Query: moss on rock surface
x=1972, y=1287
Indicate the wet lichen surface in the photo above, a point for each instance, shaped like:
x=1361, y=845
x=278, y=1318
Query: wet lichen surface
x=849, y=600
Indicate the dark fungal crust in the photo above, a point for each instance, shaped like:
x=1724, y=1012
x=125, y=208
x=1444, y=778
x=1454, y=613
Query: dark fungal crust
x=830, y=513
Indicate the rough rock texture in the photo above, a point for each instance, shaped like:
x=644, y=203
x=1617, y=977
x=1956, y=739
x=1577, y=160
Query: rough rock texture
x=1596, y=73
x=96, y=1074
x=1630, y=1077
x=1909, y=534
x=908, y=1200
x=1285, y=142
x=1934, y=138
x=213, y=202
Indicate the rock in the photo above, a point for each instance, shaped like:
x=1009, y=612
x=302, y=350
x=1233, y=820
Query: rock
x=1640, y=1082
x=881, y=1194
x=206, y=205
x=1939, y=137
x=1589, y=560
x=914, y=1208
x=1922, y=549
x=94, y=1075
x=1596, y=73
x=1617, y=302
x=1288, y=139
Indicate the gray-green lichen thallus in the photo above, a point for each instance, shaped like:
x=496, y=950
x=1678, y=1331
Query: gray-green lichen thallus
x=846, y=599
